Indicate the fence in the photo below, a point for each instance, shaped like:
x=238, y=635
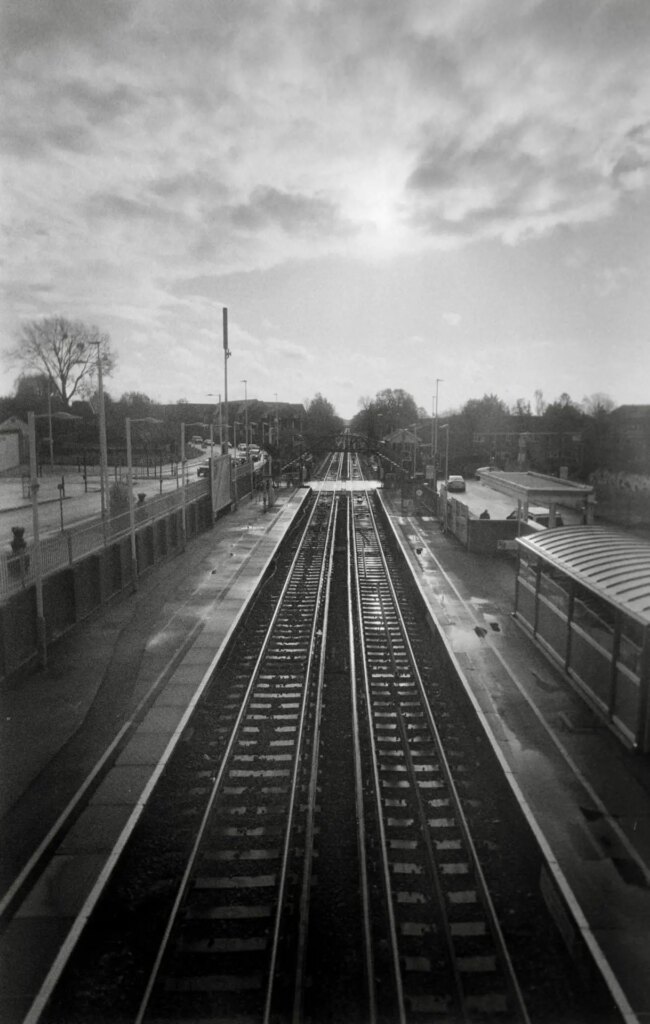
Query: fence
x=64, y=549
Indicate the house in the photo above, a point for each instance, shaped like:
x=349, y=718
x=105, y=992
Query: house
x=14, y=445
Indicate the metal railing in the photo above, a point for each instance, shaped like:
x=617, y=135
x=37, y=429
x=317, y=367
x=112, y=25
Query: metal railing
x=59, y=550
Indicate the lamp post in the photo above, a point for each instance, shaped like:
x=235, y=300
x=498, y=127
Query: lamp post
x=129, y=477
x=41, y=638
x=196, y=423
x=439, y=380
x=226, y=357
x=41, y=634
x=445, y=426
x=49, y=417
x=103, y=451
x=245, y=383
x=246, y=438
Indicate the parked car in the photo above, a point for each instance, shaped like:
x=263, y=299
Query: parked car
x=204, y=468
x=455, y=483
x=539, y=514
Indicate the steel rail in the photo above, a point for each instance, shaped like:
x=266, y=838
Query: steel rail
x=369, y=958
x=310, y=829
x=385, y=867
x=517, y=1003
x=183, y=888
x=320, y=615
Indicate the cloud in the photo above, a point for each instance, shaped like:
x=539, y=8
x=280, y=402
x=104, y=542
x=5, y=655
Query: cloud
x=453, y=319
x=294, y=214
x=31, y=26
x=160, y=158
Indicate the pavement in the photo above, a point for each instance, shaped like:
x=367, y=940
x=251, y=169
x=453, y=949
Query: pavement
x=587, y=798
x=65, y=499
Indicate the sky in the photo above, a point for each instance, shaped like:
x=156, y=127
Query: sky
x=446, y=195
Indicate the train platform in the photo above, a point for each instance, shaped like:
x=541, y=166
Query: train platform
x=586, y=797
x=134, y=672
x=137, y=670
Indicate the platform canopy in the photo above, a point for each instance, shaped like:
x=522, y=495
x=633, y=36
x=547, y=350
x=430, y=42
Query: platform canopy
x=537, y=488
x=609, y=562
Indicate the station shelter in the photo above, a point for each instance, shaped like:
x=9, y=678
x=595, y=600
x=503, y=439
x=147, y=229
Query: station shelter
x=527, y=488
x=583, y=592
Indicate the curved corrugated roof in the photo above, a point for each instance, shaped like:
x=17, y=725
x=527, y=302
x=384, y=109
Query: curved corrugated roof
x=613, y=564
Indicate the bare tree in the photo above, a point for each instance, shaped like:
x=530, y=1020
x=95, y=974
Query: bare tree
x=540, y=404
x=598, y=404
x=66, y=351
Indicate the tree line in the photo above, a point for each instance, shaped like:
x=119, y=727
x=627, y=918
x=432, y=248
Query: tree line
x=550, y=437
x=59, y=362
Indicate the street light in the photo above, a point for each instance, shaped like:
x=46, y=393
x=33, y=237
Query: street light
x=245, y=383
x=41, y=638
x=41, y=634
x=103, y=451
x=196, y=423
x=445, y=426
x=439, y=380
x=226, y=357
x=129, y=477
x=49, y=417
x=248, y=452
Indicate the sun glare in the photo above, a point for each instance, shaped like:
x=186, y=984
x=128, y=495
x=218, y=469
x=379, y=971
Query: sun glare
x=383, y=233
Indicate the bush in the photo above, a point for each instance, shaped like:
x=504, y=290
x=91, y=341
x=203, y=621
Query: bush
x=118, y=498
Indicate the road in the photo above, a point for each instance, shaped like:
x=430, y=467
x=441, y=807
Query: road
x=78, y=504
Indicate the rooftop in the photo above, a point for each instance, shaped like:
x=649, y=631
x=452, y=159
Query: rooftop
x=534, y=487
x=610, y=562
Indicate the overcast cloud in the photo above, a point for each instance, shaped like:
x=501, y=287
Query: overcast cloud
x=382, y=194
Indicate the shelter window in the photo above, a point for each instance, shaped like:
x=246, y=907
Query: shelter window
x=555, y=587
x=528, y=568
x=595, y=617
x=631, y=644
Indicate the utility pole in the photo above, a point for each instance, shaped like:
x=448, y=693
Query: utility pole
x=103, y=448
x=226, y=356
x=439, y=380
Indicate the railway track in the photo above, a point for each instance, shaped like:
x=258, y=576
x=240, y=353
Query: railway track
x=237, y=942
x=447, y=953
x=250, y=867
x=316, y=859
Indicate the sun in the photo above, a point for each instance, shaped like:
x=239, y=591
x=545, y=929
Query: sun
x=383, y=233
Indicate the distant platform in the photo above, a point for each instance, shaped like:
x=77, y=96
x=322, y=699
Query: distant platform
x=345, y=485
